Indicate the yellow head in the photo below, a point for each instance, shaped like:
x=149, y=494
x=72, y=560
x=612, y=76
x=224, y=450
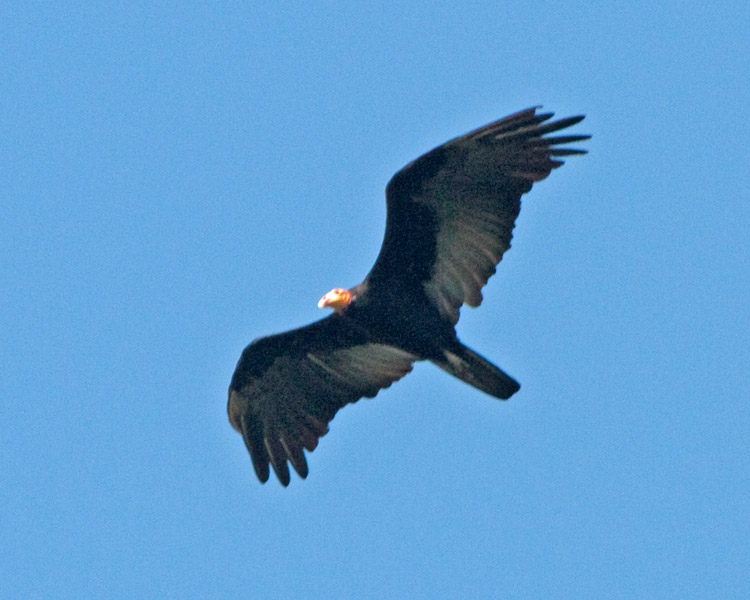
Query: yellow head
x=337, y=299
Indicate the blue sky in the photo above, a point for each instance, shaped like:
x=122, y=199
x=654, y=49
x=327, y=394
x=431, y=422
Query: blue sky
x=181, y=178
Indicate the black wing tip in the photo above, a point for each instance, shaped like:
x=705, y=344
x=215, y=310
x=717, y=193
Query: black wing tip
x=281, y=469
x=568, y=152
x=554, y=125
x=510, y=390
x=282, y=474
x=564, y=139
x=531, y=111
x=261, y=471
x=568, y=121
x=539, y=136
x=547, y=115
x=530, y=125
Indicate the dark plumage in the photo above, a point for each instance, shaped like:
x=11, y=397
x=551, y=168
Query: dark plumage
x=450, y=217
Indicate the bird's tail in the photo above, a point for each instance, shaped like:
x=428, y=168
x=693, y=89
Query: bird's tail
x=468, y=366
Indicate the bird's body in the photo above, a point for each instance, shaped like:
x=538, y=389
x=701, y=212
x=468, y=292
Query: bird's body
x=450, y=217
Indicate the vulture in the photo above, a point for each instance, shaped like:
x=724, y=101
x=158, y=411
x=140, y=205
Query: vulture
x=450, y=215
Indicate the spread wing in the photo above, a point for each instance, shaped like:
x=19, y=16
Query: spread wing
x=451, y=212
x=287, y=388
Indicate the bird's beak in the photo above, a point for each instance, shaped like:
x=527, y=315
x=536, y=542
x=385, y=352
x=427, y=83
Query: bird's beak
x=337, y=299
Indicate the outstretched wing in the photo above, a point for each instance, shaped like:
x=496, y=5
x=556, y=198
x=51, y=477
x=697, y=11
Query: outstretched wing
x=451, y=212
x=287, y=388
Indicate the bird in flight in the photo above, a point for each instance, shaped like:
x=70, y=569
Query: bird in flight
x=450, y=217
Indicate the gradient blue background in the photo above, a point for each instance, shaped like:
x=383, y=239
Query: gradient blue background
x=180, y=178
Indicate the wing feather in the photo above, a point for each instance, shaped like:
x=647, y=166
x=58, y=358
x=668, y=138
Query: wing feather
x=452, y=211
x=287, y=388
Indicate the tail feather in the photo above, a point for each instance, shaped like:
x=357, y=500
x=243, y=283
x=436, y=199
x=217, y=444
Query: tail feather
x=477, y=371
